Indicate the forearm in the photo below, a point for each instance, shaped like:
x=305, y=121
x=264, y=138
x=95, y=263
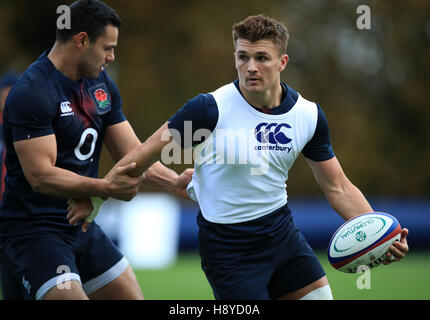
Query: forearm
x=345, y=198
x=160, y=176
x=147, y=153
x=348, y=201
x=61, y=183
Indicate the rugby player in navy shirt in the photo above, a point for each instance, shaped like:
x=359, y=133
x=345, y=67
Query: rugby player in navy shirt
x=56, y=118
x=249, y=245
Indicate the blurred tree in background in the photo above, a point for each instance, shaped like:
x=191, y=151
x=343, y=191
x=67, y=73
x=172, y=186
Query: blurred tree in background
x=372, y=84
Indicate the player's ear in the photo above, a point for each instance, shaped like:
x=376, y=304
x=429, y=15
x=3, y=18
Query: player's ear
x=235, y=60
x=81, y=40
x=284, y=61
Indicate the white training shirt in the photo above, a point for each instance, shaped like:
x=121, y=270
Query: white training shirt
x=242, y=167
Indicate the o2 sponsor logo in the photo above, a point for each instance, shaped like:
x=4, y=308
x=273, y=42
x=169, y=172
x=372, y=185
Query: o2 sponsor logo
x=274, y=135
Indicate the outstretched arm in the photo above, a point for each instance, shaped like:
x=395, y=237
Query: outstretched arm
x=348, y=201
x=345, y=198
x=120, y=139
x=156, y=175
x=147, y=153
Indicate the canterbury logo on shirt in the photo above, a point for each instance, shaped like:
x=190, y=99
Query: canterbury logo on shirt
x=65, y=108
x=271, y=133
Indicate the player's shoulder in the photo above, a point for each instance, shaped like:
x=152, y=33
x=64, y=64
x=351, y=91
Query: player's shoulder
x=26, y=90
x=298, y=97
x=38, y=74
x=290, y=91
x=295, y=94
x=33, y=84
x=229, y=91
x=201, y=100
x=31, y=89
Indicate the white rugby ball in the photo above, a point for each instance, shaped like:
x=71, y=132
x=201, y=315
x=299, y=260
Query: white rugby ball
x=363, y=241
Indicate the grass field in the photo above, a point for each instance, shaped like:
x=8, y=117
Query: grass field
x=408, y=279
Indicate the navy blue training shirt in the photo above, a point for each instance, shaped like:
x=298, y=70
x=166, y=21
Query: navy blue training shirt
x=44, y=102
x=202, y=110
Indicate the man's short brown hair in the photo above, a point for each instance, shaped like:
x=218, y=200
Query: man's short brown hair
x=261, y=27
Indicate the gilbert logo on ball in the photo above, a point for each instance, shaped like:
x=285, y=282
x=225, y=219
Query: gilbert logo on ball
x=363, y=241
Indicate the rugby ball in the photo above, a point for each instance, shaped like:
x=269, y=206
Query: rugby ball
x=363, y=241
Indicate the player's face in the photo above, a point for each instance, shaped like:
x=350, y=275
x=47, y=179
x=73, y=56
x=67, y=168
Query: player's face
x=99, y=54
x=259, y=65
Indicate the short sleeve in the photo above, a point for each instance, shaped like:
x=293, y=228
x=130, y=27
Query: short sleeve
x=29, y=112
x=201, y=112
x=319, y=147
x=116, y=115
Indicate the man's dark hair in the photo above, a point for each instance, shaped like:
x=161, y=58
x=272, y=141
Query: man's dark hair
x=261, y=27
x=90, y=16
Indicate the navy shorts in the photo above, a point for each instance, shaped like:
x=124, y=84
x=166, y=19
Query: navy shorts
x=260, y=259
x=12, y=289
x=38, y=262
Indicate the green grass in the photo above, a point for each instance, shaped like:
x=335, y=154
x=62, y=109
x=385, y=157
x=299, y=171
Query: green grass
x=183, y=281
x=408, y=279
x=404, y=280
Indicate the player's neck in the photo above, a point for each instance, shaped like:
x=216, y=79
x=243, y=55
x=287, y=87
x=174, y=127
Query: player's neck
x=267, y=99
x=64, y=62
